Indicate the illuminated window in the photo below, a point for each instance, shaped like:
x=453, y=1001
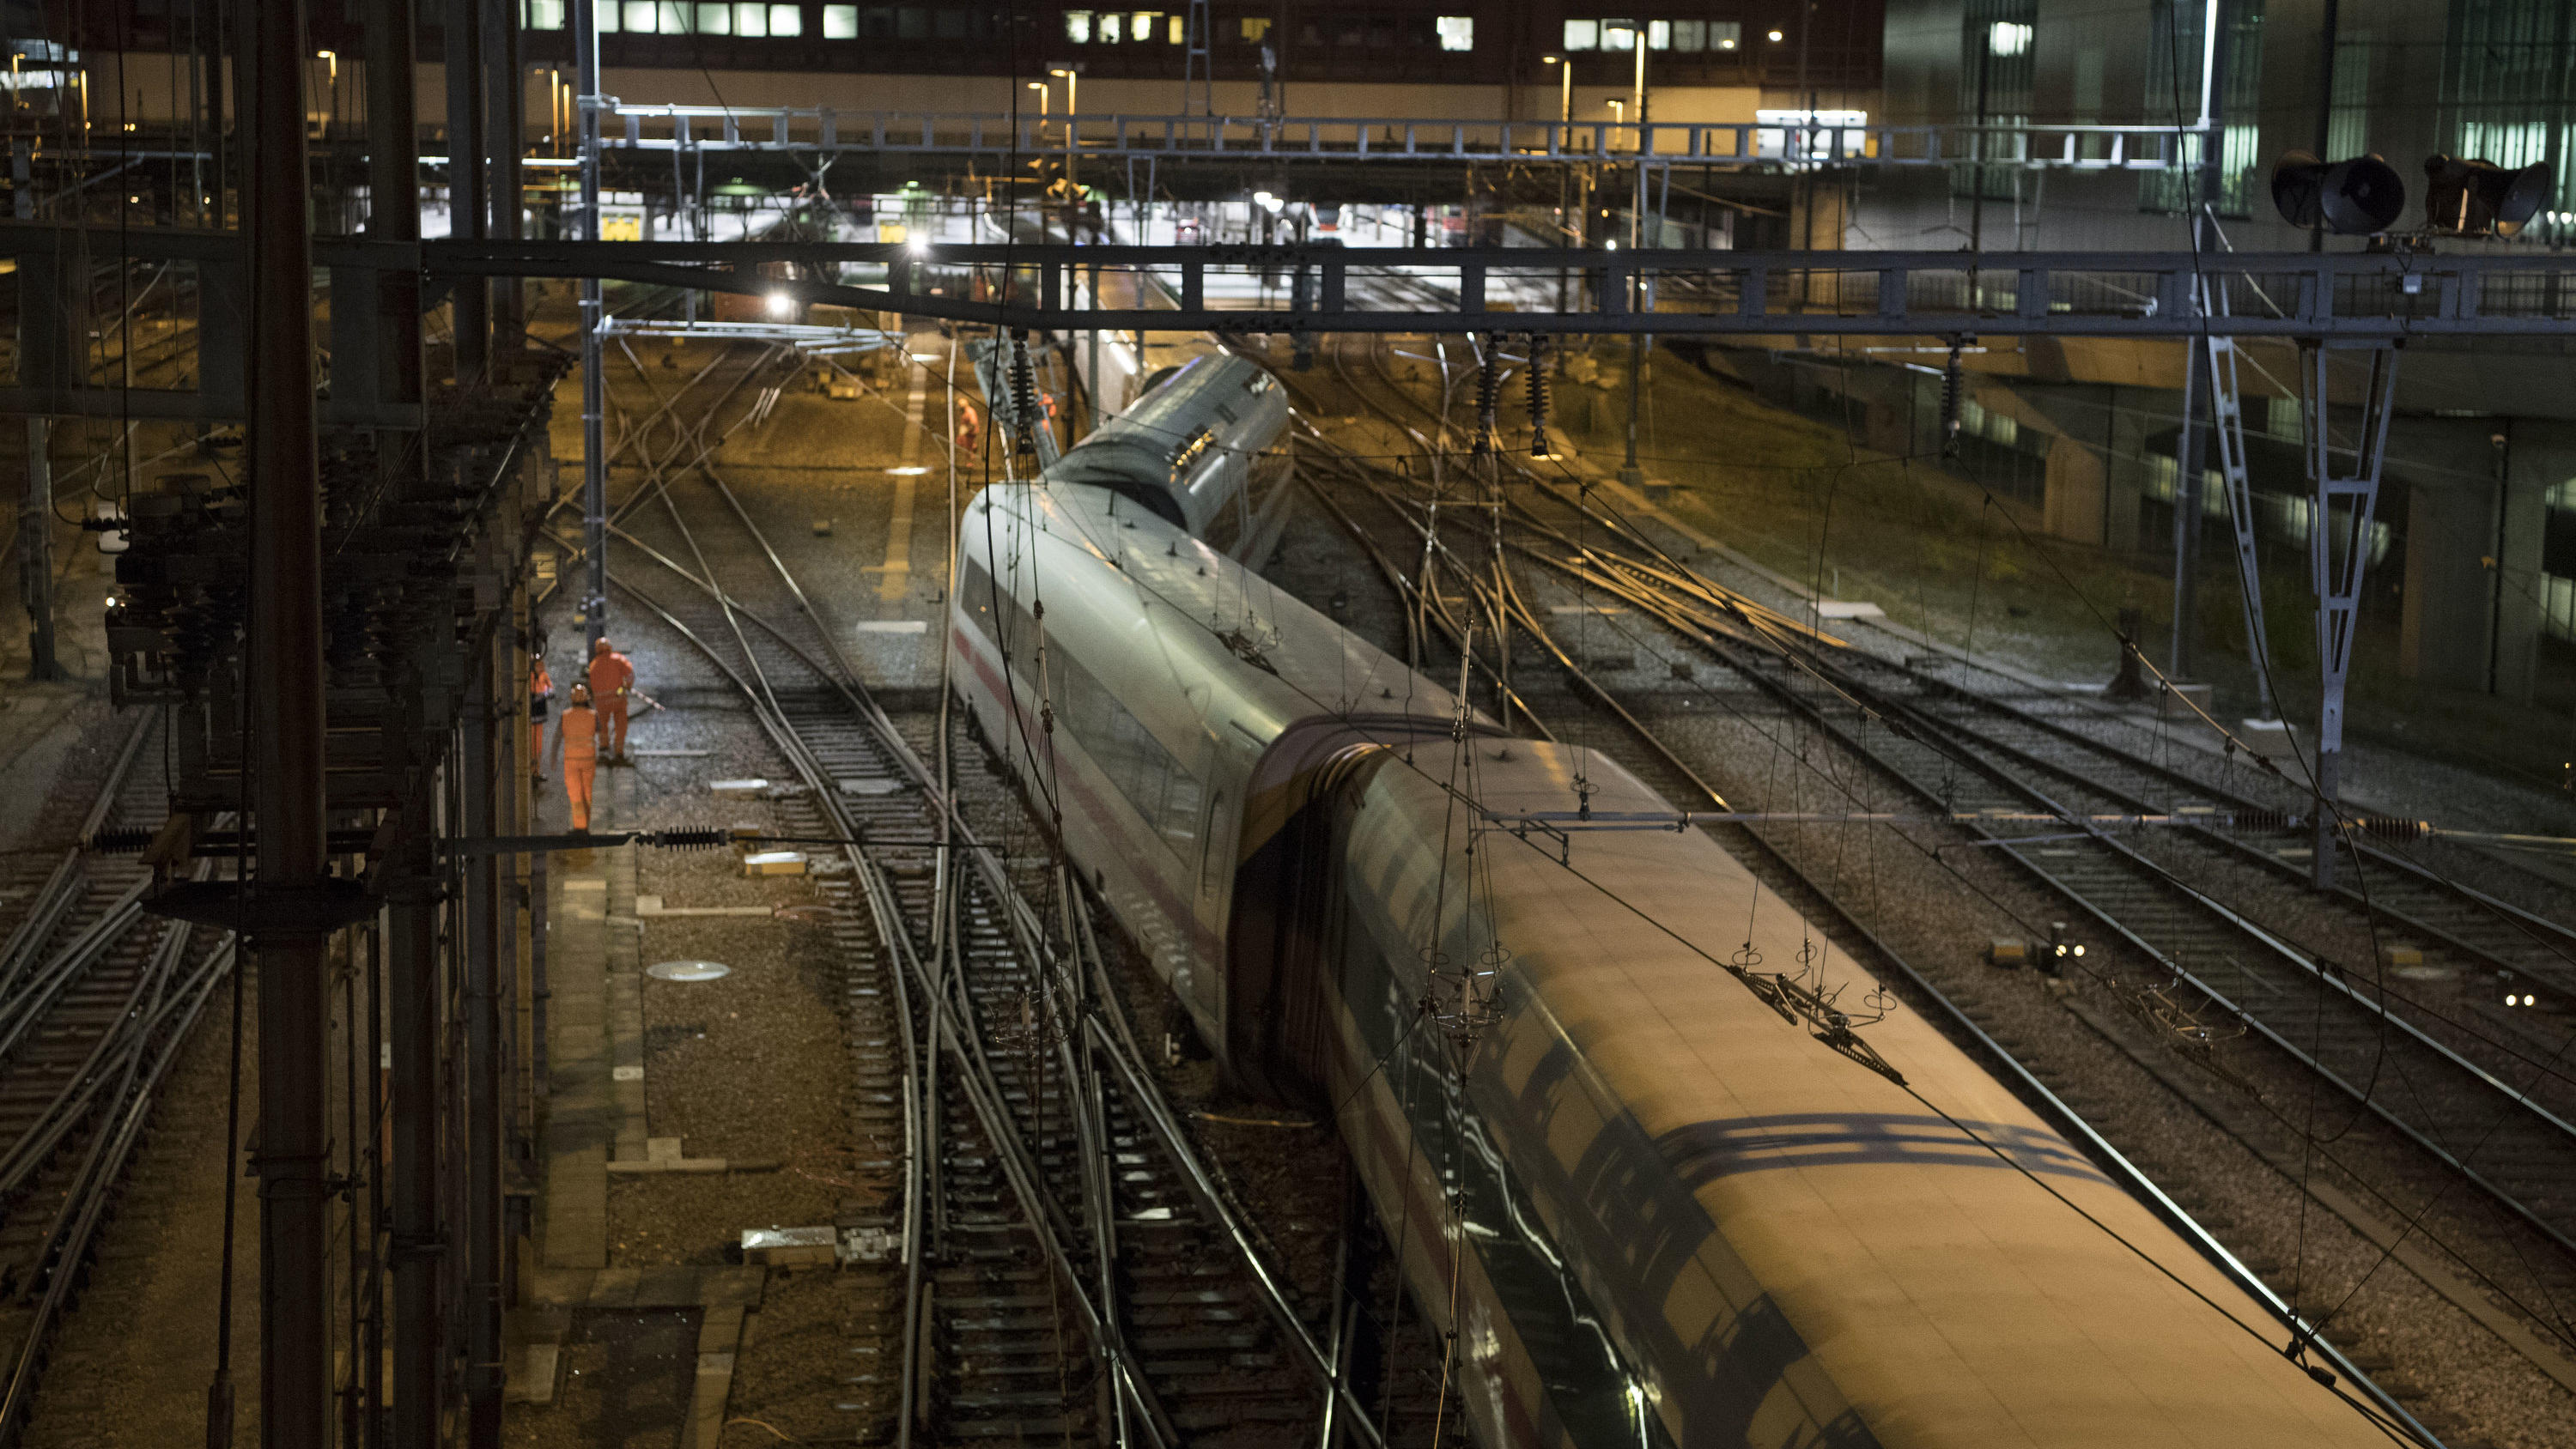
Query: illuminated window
x=715, y=20
x=840, y=22
x=674, y=17
x=1113, y=27
x=1583, y=35
x=1618, y=35
x=1725, y=34
x=785, y=20
x=1255, y=31
x=1457, y=32
x=639, y=17
x=1659, y=35
x=1689, y=34
x=1077, y=26
x=604, y=14
x=2008, y=37
x=1179, y=29
x=1141, y=25
x=544, y=14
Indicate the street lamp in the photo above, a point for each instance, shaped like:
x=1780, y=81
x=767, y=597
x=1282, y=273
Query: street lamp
x=1072, y=110
x=1565, y=88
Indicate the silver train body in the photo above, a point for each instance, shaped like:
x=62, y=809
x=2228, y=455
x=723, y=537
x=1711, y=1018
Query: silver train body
x=1653, y=1208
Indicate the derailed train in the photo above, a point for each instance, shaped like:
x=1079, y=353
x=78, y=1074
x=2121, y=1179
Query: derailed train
x=1653, y=1201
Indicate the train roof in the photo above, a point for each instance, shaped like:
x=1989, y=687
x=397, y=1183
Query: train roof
x=1164, y=450
x=1198, y=615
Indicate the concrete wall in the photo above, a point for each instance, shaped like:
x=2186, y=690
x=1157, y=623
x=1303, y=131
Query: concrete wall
x=2473, y=544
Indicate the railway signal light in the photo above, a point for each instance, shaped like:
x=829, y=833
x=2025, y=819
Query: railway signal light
x=2052, y=962
x=2480, y=198
x=2349, y=198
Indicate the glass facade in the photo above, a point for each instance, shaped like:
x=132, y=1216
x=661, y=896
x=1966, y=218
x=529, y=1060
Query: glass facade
x=2176, y=49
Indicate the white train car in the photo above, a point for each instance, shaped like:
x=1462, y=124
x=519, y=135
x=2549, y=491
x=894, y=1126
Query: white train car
x=1651, y=1204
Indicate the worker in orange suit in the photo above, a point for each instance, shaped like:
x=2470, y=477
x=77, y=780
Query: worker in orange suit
x=541, y=695
x=612, y=678
x=970, y=429
x=578, y=739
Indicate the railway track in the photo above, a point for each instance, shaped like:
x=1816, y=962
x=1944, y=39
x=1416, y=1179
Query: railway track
x=96, y=999
x=1061, y=1259
x=1959, y=752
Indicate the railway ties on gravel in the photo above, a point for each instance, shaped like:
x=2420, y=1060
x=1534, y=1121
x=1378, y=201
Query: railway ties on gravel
x=969, y=1320
x=2490, y=1119
x=2424, y=1087
x=96, y=998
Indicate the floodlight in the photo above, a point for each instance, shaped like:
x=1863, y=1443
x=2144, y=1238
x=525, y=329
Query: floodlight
x=2466, y=197
x=2350, y=198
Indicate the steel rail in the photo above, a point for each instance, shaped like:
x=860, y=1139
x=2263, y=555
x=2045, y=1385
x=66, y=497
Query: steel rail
x=55, y=897
x=2273, y=945
x=957, y=1029
x=2068, y=1119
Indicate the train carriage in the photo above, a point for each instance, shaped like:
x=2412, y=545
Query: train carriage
x=1653, y=1204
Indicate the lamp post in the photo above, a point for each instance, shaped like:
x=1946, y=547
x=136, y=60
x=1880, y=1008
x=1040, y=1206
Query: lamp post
x=1072, y=113
x=1637, y=38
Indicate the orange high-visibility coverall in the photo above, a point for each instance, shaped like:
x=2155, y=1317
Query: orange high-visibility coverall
x=611, y=676
x=579, y=739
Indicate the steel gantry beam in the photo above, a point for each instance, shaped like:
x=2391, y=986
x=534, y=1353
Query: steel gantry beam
x=1000, y=135
x=1697, y=293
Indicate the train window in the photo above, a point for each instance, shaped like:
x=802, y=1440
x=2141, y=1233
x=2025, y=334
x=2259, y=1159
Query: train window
x=840, y=22
x=1583, y=35
x=1457, y=32
x=1077, y=26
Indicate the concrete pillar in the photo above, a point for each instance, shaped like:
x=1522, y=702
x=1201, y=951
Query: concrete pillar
x=2540, y=455
x=2076, y=485
x=2124, y=425
x=2472, y=618
x=2449, y=589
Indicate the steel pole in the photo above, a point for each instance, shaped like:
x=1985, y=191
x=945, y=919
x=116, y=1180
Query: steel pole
x=36, y=551
x=479, y=766
x=2187, y=471
x=469, y=210
x=594, y=400
x=506, y=141
x=284, y=658
x=418, y=1243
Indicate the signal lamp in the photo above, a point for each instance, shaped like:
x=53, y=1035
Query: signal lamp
x=2350, y=198
x=2480, y=198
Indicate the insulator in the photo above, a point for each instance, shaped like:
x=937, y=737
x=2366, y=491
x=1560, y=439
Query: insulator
x=1950, y=404
x=127, y=840
x=1538, y=395
x=696, y=838
x=2401, y=831
x=1024, y=390
x=2263, y=819
x=1489, y=394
